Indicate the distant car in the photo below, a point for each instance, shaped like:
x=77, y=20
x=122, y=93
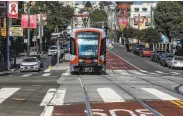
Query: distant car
x=147, y=52
x=154, y=53
x=52, y=50
x=30, y=64
x=131, y=46
x=66, y=47
x=157, y=56
x=175, y=62
x=164, y=58
x=38, y=56
x=138, y=48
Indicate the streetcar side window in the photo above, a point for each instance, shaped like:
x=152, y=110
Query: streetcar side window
x=72, y=46
x=103, y=47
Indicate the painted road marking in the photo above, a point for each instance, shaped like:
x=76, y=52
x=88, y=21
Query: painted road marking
x=49, y=95
x=27, y=75
x=7, y=92
x=159, y=72
x=125, y=60
x=124, y=72
x=160, y=94
x=67, y=72
x=58, y=98
x=47, y=111
x=46, y=74
x=175, y=73
x=136, y=72
x=143, y=71
x=109, y=95
x=178, y=103
x=48, y=69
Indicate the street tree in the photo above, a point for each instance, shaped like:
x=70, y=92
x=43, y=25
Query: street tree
x=168, y=18
x=97, y=17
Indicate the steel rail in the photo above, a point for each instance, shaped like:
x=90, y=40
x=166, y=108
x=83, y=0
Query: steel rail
x=87, y=102
x=156, y=113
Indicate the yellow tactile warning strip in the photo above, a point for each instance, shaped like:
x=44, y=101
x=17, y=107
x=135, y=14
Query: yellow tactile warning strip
x=178, y=103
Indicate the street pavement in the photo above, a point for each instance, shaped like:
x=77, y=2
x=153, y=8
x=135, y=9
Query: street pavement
x=143, y=64
x=115, y=93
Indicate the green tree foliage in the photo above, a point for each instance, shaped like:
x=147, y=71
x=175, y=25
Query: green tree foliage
x=168, y=18
x=98, y=16
x=88, y=4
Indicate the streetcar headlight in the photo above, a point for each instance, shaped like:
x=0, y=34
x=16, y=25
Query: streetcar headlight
x=95, y=60
x=81, y=60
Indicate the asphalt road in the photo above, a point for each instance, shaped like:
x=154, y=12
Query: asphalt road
x=143, y=63
x=111, y=94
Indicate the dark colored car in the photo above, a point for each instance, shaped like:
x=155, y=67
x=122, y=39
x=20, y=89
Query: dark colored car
x=155, y=56
x=164, y=57
x=132, y=46
x=138, y=48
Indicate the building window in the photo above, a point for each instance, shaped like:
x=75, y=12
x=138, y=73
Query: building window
x=144, y=9
x=136, y=9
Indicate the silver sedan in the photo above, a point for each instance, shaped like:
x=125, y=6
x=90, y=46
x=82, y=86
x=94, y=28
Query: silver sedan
x=30, y=64
x=175, y=62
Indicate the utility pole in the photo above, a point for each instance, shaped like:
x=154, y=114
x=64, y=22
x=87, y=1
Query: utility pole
x=138, y=24
x=151, y=17
x=7, y=36
x=41, y=33
x=28, y=31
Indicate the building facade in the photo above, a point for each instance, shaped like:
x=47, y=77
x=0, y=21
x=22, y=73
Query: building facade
x=141, y=15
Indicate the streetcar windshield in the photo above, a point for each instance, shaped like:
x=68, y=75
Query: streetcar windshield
x=88, y=43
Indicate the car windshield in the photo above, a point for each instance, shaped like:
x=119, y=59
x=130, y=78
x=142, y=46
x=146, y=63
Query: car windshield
x=29, y=60
x=140, y=46
x=53, y=48
x=178, y=58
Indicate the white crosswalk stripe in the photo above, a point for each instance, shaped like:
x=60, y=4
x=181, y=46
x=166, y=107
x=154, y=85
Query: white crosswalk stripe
x=6, y=93
x=46, y=74
x=109, y=95
x=136, y=72
x=160, y=94
x=55, y=97
x=27, y=75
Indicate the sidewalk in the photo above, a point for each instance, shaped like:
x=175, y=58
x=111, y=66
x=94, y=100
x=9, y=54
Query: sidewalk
x=61, y=66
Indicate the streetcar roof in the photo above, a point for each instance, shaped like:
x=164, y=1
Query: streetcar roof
x=94, y=29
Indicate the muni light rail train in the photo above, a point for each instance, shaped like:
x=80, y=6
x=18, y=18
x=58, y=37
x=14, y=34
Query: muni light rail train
x=88, y=50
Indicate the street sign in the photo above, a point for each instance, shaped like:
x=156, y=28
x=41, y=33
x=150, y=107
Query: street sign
x=24, y=21
x=25, y=40
x=16, y=31
x=13, y=9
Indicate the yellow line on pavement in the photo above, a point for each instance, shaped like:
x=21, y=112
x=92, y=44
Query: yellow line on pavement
x=178, y=103
x=18, y=99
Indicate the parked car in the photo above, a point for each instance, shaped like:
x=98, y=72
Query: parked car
x=157, y=56
x=154, y=53
x=164, y=58
x=147, y=52
x=175, y=62
x=131, y=46
x=66, y=47
x=38, y=56
x=30, y=64
x=52, y=50
x=138, y=48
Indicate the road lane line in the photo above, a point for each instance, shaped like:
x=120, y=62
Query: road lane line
x=160, y=94
x=47, y=111
x=136, y=72
x=123, y=72
x=46, y=74
x=177, y=103
x=109, y=95
x=49, y=95
x=159, y=72
x=48, y=69
x=175, y=73
x=144, y=71
x=58, y=98
x=27, y=75
x=7, y=92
